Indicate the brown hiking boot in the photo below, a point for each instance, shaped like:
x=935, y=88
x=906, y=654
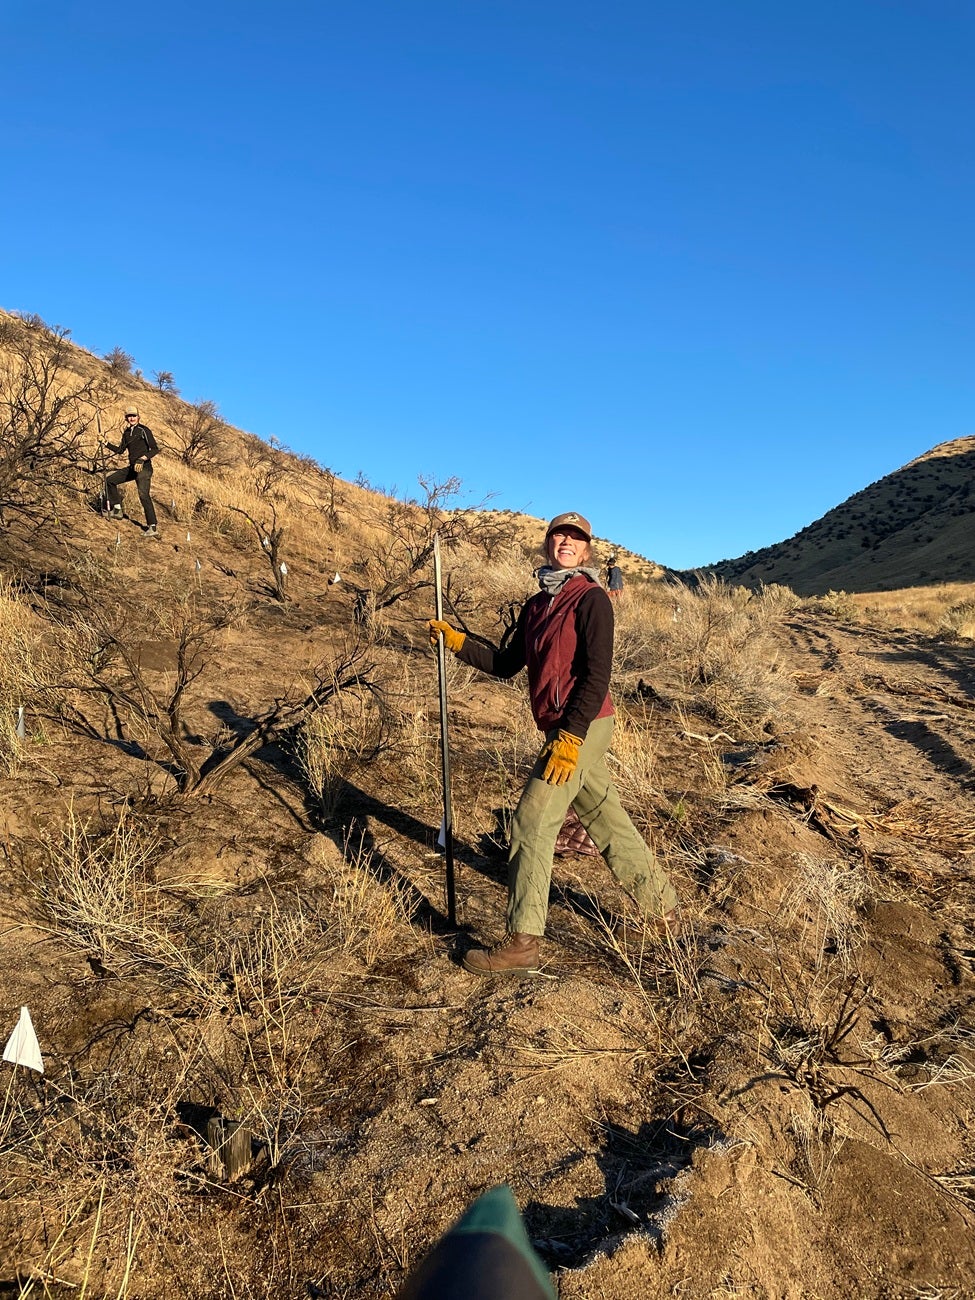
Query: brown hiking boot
x=516, y=954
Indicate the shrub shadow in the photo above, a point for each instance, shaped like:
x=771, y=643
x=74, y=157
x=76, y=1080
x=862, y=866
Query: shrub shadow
x=639, y=1168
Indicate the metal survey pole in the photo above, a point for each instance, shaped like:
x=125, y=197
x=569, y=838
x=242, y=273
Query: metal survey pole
x=101, y=454
x=448, y=817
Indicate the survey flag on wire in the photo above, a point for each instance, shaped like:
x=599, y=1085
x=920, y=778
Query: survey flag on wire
x=22, y=1045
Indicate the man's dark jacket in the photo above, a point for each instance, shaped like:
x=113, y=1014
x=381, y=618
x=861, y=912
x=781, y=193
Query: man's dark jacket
x=138, y=442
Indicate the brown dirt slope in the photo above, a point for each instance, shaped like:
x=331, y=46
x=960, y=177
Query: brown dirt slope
x=778, y=1105
x=911, y=528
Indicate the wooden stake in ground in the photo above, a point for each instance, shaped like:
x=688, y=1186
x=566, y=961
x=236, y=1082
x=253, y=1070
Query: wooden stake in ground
x=448, y=817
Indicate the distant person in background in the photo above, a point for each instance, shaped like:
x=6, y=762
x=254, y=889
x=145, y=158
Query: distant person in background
x=564, y=637
x=614, y=579
x=138, y=442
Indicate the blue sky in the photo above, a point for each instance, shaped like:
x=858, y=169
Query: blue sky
x=699, y=270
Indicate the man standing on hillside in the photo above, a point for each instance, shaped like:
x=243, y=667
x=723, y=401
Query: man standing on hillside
x=614, y=576
x=141, y=446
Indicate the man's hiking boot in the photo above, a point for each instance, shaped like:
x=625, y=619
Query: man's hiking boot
x=516, y=954
x=116, y=512
x=151, y=531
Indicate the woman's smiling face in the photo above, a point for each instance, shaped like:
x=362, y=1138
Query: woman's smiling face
x=567, y=547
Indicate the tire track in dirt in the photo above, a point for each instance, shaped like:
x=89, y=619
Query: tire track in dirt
x=896, y=710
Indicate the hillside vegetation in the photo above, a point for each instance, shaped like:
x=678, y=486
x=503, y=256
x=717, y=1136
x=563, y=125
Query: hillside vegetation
x=913, y=528
x=267, y=1073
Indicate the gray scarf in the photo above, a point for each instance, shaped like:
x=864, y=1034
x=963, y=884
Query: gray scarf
x=553, y=580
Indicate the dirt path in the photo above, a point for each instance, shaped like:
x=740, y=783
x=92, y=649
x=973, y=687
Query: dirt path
x=897, y=710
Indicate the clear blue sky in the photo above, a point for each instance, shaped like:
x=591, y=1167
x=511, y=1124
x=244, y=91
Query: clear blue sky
x=700, y=270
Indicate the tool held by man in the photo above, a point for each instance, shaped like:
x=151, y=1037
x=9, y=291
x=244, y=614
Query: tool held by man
x=101, y=459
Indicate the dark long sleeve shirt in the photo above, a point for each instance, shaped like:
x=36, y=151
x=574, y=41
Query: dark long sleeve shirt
x=138, y=442
x=585, y=678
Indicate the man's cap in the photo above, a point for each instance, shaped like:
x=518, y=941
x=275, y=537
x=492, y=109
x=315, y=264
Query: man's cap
x=577, y=521
x=131, y=410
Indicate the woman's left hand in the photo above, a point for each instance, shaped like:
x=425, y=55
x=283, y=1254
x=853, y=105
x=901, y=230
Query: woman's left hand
x=561, y=757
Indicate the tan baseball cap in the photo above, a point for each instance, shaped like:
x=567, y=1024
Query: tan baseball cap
x=131, y=410
x=571, y=518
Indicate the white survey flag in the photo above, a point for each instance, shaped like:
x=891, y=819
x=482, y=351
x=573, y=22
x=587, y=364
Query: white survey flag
x=22, y=1045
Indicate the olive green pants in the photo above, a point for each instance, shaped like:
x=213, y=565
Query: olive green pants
x=538, y=820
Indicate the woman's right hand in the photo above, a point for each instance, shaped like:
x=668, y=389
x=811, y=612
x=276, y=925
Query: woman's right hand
x=452, y=639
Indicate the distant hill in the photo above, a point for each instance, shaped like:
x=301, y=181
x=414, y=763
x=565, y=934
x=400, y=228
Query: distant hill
x=912, y=528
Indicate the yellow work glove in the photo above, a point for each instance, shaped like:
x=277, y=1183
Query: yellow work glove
x=561, y=757
x=452, y=639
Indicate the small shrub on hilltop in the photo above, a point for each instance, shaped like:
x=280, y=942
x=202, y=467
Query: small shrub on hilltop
x=120, y=361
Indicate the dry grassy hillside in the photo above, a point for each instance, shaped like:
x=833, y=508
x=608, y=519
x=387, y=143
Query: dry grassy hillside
x=913, y=528
x=267, y=1072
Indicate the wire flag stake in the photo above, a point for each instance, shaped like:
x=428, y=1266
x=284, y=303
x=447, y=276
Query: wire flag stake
x=447, y=830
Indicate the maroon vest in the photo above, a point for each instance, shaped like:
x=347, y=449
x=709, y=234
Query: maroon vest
x=551, y=641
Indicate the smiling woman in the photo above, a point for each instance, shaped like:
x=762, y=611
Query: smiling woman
x=564, y=637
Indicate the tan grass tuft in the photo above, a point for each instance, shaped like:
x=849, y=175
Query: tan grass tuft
x=25, y=667
x=826, y=896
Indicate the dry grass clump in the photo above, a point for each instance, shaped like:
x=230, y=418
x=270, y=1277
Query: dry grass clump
x=726, y=659
x=645, y=621
x=817, y=1143
x=89, y=1190
x=412, y=740
x=321, y=750
x=92, y=888
x=941, y=610
x=959, y=621
x=96, y=889
x=24, y=669
x=633, y=759
x=777, y=599
x=710, y=644
x=331, y=743
x=107, y=1171
x=835, y=604
x=827, y=896
x=365, y=912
